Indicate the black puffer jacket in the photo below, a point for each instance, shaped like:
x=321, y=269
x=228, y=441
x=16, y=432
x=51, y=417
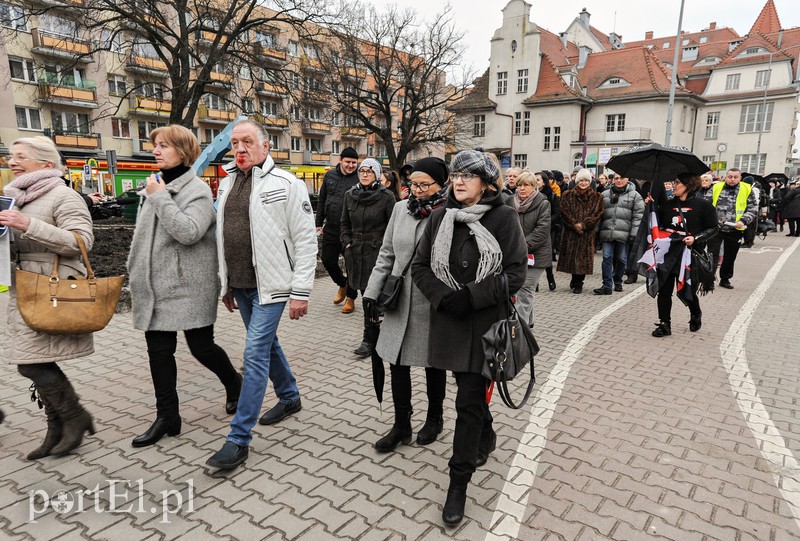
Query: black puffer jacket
x=331, y=197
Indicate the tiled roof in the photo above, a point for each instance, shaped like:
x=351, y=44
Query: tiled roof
x=551, y=45
x=689, y=67
x=478, y=98
x=602, y=37
x=697, y=85
x=551, y=86
x=735, y=57
x=717, y=35
x=636, y=65
x=768, y=20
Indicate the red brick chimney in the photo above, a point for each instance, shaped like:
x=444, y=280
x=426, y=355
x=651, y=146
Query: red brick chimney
x=712, y=26
x=648, y=34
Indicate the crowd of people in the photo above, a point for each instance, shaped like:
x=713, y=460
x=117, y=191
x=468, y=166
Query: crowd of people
x=461, y=239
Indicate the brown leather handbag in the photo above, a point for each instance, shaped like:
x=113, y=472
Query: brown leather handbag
x=74, y=305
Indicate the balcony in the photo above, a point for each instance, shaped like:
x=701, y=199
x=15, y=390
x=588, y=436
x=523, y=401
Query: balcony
x=68, y=92
x=310, y=126
x=310, y=64
x=279, y=155
x=49, y=44
x=269, y=89
x=149, y=66
x=215, y=116
x=320, y=157
x=272, y=122
x=352, y=132
x=146, y=146
x=316, y=97
x=63, y=4
x=207, y=37
x=597, y=137
x=89, y=141
x=268, y=55
x=152, y=107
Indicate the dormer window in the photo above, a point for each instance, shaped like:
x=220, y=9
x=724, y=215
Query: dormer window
x=733, y=44
x=614, y=82
x=709, y=60
x=751, y=51
x=703, y=39
x=690, y=53
x=665, y=45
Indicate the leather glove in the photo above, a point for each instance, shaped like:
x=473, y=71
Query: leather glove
x=371, y=309
x=456, y=303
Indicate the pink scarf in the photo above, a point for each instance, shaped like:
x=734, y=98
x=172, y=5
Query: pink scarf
x=31, y=186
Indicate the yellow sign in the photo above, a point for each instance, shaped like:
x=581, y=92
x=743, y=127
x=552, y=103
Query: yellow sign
x=91, y=162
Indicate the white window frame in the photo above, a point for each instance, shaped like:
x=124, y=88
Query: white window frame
x=120, y=125
x=526, y=122
x=522, y=80
x=546, y=138
x=752, y=117
x=502, y=83
x=747, y=162
x=521, y=160
x=13, y=17
x=762, y=78
x=712, y=125
x=30, y=115
x=732, y=81
x=556, y=138
x=115, y=80
x=517, y=123
x=297, y=144
x=336, y=147
x=479, y=126
x=274, y=141
x=27, y=66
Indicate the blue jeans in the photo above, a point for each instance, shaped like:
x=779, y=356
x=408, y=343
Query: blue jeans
x=615, y=258
x=263, y=359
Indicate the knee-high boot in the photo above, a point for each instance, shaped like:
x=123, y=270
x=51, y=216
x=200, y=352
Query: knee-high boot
x=75, y=420
x=401, y=398
x=371, y=332
x=53, y=435
x=436, y=382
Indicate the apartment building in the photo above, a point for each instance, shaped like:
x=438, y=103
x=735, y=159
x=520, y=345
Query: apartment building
x=55, y=80
x=553, y=101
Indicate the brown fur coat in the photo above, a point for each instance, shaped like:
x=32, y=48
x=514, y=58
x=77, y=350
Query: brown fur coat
x=576, y=254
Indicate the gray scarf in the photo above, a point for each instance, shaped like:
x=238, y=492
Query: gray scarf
x=491, y=256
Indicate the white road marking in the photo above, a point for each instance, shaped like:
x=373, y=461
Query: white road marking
x=513, y=499
x=785, y=468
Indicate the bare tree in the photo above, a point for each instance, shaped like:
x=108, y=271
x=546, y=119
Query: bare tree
x=386, y=72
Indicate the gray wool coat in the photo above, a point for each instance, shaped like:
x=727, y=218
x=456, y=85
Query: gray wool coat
x=172, y=263
x=53, y=217
x=404, y=332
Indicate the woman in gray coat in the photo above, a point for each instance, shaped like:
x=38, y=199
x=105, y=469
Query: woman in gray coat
x=173, y=277
x=365, y=215
x=46, y=214
x=403, y=340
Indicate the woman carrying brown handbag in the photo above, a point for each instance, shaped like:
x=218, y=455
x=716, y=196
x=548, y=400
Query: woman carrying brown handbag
x=45, y=214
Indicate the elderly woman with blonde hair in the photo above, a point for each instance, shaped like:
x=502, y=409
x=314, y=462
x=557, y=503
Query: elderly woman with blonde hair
x=581, y=210
x=46, y=215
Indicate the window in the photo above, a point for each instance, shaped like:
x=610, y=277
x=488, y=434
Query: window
x=274, y=142
x=117, y=85
x=269, y=108
x=689, y=53
x=145, y=50
x=576, y=160
x=28, y=119
x=245, y=72
x=732, y=82
x=665, y=45
x=22, y=70
x=709, y=159
x=13, y=17
x=120, y=127
x=522, y=81
x=712, y=125
x=67, y=122
x=517, y=123
x=546, y=144
x=266, y=39
x=752, y=118
x=214, y=101
x=111, y=40
x=56, y=25
x=297, y=144
x=210, y=134
x=703, y=39
x=310, y=51
x=762, y=78
x=64, y=75
x=248, y=106
x=521, y=160
x=293, y=48
x=381, y=151
x=502, y=82
x=615, y=82
x=615, y=122
x=684, y=114
x=295, y=113
x=313, y=113
x=146, y=127
x=526, y=122
x=296, y=80
x=151, y=90
x=557, y=138
x=370, y=149
x=336, y=147
x=479, y=126
x=751, y=162
x=336, y=118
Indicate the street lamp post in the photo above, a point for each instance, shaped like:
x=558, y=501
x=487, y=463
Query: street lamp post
x=763, y=115
x=674, y=82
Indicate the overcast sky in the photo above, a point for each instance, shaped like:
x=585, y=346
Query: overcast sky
x=630, y=18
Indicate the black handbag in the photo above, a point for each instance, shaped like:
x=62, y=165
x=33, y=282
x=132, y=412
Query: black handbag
x=389, y=296
x=509, y=346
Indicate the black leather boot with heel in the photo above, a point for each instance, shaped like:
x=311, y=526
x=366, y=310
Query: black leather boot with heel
x=400, y=432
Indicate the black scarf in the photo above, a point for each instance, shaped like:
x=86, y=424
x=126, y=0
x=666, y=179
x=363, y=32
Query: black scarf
x=616, y=192
x=168, y=175
x=367, y=194
x=422, y=208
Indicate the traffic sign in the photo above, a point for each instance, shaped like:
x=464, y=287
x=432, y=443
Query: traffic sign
x=87, y=172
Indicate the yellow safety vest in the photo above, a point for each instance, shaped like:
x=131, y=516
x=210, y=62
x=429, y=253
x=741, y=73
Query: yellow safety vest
x=741, y=197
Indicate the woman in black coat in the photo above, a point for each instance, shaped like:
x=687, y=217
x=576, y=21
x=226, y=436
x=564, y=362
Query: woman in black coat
x=365, y=214
x=461, y=255
x=688, y=220
x=791, y=208
x=545, y=186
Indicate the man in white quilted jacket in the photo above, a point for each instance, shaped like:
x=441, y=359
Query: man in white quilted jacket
x=267, y=256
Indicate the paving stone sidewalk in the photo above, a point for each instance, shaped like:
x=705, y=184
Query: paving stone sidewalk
x=647, y=440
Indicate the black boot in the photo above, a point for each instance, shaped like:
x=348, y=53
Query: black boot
x=486, y=447
x=53, y=435
x=231, y=396
x=453, y=511
x=662, y=329
x=161, y=426
x=74, y=418
x=400, y=432
x=435, y=386
x=434, y=424
x=695, y=322
x=371, y=331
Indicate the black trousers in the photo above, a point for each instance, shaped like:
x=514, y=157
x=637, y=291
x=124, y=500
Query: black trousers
x=665, y=299
x=794, y=226
x=730, y=242
x=473, y=424
x=577, y=280
x=435, y=380
x=161, y=346
x=330, y=252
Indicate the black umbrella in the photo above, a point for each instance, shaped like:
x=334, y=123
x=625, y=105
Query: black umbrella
x=657, y=163
x=780, y=178
x=378, y=377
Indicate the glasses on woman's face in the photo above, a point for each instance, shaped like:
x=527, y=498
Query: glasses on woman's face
x=463, y=177
x=421, y=187
x=364, y=172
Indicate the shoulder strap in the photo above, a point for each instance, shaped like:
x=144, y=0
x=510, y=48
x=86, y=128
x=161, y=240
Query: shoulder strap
x=84, y=254
x=408, y=265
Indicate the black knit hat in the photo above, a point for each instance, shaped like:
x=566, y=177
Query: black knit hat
x=349, y=152
x=434, y=167
x=558, y=176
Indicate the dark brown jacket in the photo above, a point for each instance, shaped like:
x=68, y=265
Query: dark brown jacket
x=455, y=343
